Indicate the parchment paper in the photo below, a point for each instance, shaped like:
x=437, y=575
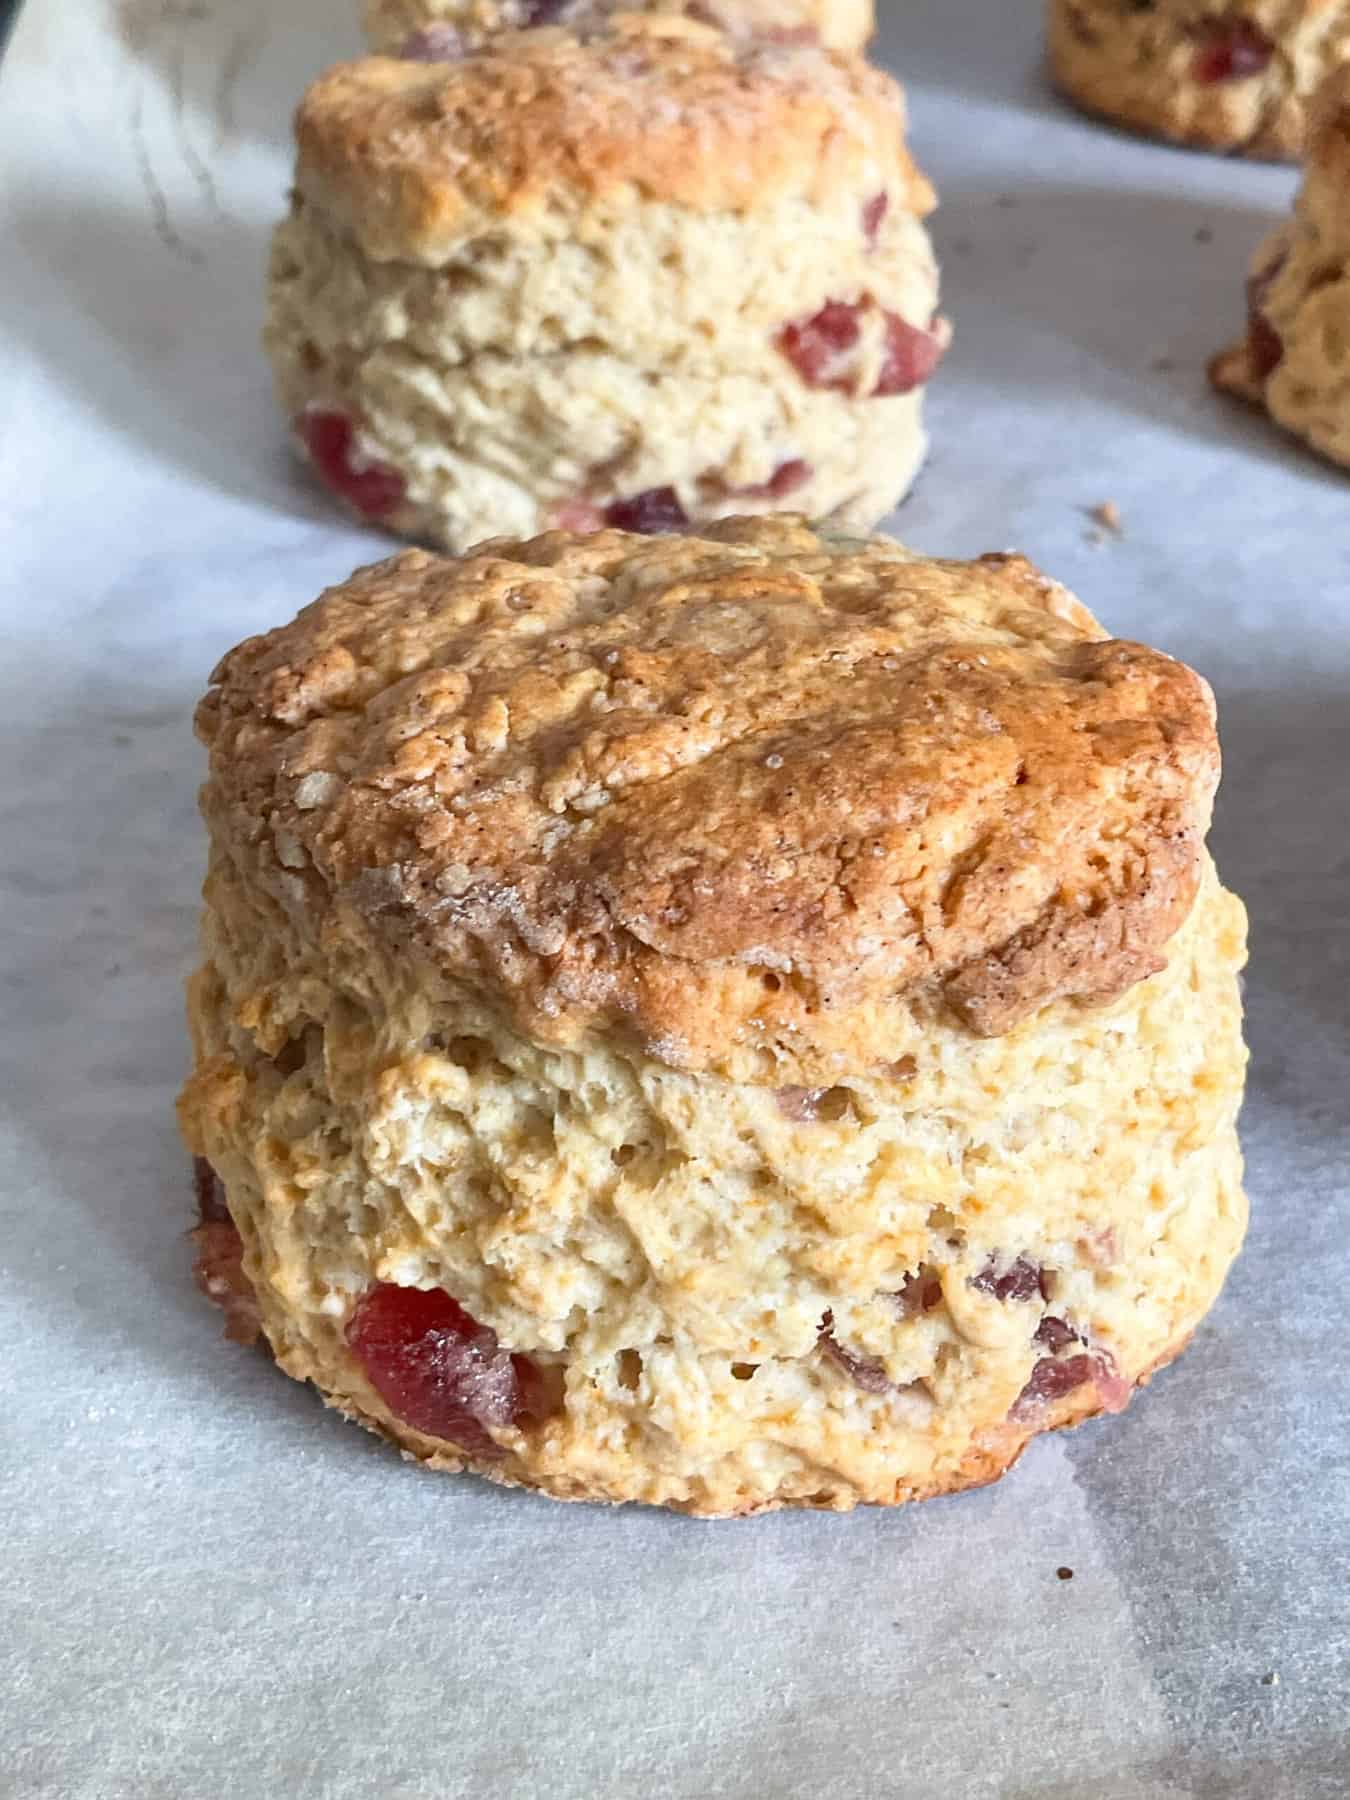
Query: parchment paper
x=214, y=1588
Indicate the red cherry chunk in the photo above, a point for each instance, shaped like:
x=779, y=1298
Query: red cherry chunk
x=373, y=488
x=909, y=356
x=1230, y=50
x=1265, y=347
x=219, y=1267
x=824, y=347
x=921, y=1292
x=824, y=350
x=581, y=516
x=785, y=480
x=873, y=212
x=1055, y=1334
x=1051, y=1379
x=434, y=43
x=656, y=510
x=866, y=1371
x=209, y=1193
x=440, y=1371
x=1022, y=1280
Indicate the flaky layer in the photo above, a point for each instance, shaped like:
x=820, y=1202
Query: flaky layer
x=1163, y=68
x=674, y=1244
x=506, y=385
x=837, y=24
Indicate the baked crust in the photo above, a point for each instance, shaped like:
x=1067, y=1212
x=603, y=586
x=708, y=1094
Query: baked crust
x=1288, y=360
x=1137, y=67
x=543, y=127
x=838, y=24
x=723, y=793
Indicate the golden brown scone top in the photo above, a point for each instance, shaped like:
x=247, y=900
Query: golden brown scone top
x=413, y=158
x=723, y=790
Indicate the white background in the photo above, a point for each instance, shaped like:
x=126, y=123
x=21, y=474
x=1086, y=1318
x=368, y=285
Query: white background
x=214, y=1588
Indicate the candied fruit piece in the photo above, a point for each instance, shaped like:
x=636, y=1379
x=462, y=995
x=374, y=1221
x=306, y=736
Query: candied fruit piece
x=866, y=1371
x=824, y=347
x=440, y=1371
x=1055, y=1334
x=219, y=1266
x=373, y=488
x=580, y=516
x=1230, y=49
x=921, y=1292
x=1021, y=1280
x=1052, y=1378
x=656, y=510
x=1113, y=1390
x=209, y=1192
x=785, y=480
x=873, y=213
x=1265, y=347
x=909, y=356
x=434, y=43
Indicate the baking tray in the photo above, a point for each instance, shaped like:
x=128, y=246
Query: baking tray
x=215, y=1587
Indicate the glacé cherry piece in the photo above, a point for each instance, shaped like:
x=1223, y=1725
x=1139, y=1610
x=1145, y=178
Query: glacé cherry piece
x=1051, y=1379
x=656, y=510
x=1265, y=347
x=921, y=1292
x=433, y=43
x=1022, y=1280
x=823, y=347
x=1055, y=1333
x=866, y=1371
x=440, y=1371
x=909, y=356
x=873, y=212
x=219, y=1266
x=373, y=488
x=1230, y=50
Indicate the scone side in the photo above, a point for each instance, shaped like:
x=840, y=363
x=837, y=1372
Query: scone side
x=675, y=1452
x=647, y=358
x=1290, y=361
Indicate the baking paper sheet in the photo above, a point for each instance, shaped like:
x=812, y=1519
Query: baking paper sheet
x=210, y=1586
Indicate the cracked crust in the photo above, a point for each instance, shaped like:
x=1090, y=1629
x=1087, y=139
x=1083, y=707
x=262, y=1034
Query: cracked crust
x=837, y=24
x=1292, y=359
x=759, y=790
x=1136, y=65
x=543, y=129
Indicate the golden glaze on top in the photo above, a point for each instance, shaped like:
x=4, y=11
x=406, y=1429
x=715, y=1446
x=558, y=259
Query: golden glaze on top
x=415, y=157
x=720, y=791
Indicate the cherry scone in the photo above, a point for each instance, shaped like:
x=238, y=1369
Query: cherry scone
x=642, y=278
x=725, y=1021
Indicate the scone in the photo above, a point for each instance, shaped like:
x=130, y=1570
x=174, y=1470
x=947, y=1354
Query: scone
x=1235, y=78
x=644, y=279
x=441, y=28
x=1294, y=358
x=729, y=1022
